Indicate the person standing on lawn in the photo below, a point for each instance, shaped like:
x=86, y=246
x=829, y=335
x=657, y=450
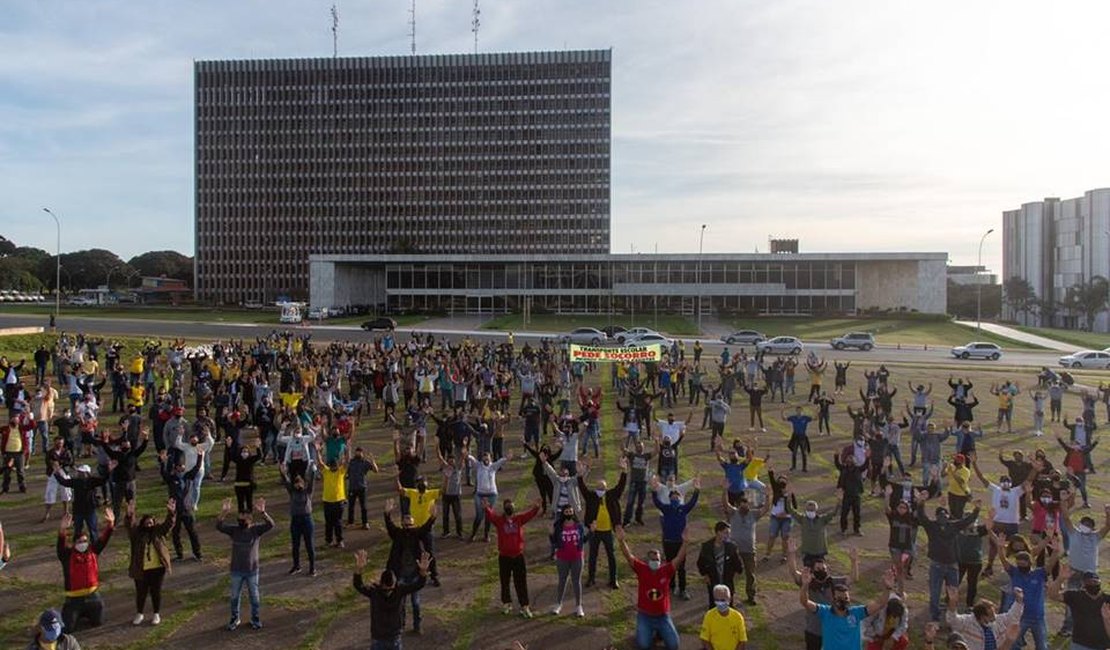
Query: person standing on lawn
x=150, y=558
x=387, y=601
x=245, y=567
x=602, y=513
x=510, y=553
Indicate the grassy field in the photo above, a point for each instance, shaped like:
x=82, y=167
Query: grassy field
x=1084, y=340
x=189, y=314
x=302, y=612
x=886, y=330
x=665, y=324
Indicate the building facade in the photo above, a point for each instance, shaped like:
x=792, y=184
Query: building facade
x=810, y=283
x=430, y=155
x=1054, y=245
x=971, y=275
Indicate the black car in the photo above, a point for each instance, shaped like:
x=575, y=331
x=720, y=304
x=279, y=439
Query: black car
x=381, y=323
x=612, y=330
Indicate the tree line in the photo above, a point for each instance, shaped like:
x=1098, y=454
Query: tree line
x=1083, y=300
x=29, y=269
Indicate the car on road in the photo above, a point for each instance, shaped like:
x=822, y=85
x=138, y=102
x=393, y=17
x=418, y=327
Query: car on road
x=317, y=313
x=381, y=323
x=743, y=337
x=780, y=345
x=1086, y=359
x=585, y=336
x=650, y=338
x=859, y=340
x=977, y=350
x=82, y=301
x=623, y=337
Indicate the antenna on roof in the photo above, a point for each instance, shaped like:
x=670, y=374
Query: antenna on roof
x=334, y=31
x=475, y=23
x=412, y=26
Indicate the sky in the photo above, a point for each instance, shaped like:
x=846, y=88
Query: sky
x=852, y=125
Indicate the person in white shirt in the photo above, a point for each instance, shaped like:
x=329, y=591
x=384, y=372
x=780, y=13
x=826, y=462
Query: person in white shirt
x=671, y=429
x=1005, y=504
x=188, y=458
x=485, y=475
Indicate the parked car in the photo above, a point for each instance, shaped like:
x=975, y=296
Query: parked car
x=650, y=338
x=1086, y=359
x=743, y=337
x=252, y=304
x=633, y=333
x=381, y=323
x=859, y=340
x=612, y=330
x=81, y=301
x=977, y=350
x=585, y=336
x=780, y=345
x=317, y=313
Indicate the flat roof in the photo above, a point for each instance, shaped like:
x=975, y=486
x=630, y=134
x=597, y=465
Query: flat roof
x=630, y=257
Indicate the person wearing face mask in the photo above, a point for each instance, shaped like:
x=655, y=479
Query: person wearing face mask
x=1077, y=465
x=569, y=539
x=815, y=545
x=510, y=553
x=179, y=485
x=742, y=520
x=485, y=474
x=841, y=622
x=1030, y=581
x=422, y=506
x=982, y=628
x=653, y=593
x=673, y=520
x=196, y=447
x=58, y=459
x=334, y=477
x=244, y=462
x=387, y=601
x=301, y=525
x=150, y=558
x=1082, y=552
x=943, y=552
x=245, y=567
x=602, y=513
x=722, y=627
x=405, y=553
x=849, y=482
x=1084, y=604
x=81, y=573
x=49, y=634
x=888, y=629
x=357, y=468
x=1006, y=501
x=820, y=588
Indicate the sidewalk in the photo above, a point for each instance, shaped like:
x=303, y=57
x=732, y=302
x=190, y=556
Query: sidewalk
x=1018, y=335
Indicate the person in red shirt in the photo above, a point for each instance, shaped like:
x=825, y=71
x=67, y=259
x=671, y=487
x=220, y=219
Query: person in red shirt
x=653, y=593
x=510, y=552
x=81, y=572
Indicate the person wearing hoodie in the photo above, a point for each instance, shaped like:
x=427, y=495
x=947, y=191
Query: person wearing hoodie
x=81, y=572
x=49, y=634
x=84, y=487
x=387, y=601
x=150, y=558
x=674, y=515
x=405, y=554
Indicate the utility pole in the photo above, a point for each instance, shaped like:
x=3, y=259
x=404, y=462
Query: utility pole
x=701, y=248
x=58, y=270
x=979, y=285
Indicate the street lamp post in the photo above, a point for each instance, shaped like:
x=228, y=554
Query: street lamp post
x=701, y=245
x=58, y=270
x=979, y=285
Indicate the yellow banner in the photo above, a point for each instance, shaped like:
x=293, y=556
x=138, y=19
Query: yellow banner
x=652, y=352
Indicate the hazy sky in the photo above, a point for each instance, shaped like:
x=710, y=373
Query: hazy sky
x=850, y=124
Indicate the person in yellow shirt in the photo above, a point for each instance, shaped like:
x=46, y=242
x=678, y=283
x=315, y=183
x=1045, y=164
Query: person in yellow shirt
x=723, y=628
x=335, y=495
x=138, y=364
x=959, y=485
x=136, y=395
x=422, y=507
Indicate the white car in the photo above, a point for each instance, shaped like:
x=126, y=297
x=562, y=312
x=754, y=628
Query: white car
x=1086, y=359
x=743, y=337
x=635, y=332
x=977, y=350
x=780, y=345
x=585, y=336
x=651, y=338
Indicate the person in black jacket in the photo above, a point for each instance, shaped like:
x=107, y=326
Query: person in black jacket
x=122, y=464
x=719, y=561
x=603, y=507
x=387, y=600
x=850, y=481
x=244, y=462
x=84, y=487
x=179, y=484
x=404, y=554
x=944, y=563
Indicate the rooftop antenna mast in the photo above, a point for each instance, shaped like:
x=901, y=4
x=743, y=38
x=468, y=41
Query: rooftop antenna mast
x=334, y=31
x=475, y=23
x=412, y=26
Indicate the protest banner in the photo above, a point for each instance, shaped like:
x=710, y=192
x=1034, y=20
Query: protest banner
x=633, y=353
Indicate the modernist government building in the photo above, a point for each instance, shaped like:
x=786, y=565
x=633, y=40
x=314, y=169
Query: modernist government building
x=465, y=183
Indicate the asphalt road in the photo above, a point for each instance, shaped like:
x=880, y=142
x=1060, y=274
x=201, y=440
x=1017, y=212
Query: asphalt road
x=329, y=333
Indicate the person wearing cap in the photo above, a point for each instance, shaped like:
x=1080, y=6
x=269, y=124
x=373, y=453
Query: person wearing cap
x=1083, y=545
x=49, y=634
x=84, y=487
x=943, y=553
x=81, y=572
x=1084, y=606
x=719, y=562
x=983, y=628
x=1031, y=582
x=841, y=622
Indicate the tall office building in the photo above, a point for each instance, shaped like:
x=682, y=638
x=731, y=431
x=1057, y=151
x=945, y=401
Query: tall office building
x=1054, y=245
x=453, y=154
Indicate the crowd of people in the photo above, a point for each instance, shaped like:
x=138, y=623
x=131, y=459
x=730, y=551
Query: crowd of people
x=458, y=409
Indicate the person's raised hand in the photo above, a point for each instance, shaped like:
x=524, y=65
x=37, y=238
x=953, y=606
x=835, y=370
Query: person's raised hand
x=953, y=593
x=931, y=629
x=1019, y=595
x=360, y=560
x=171, y=504
x=389, y=505
x=110, y=516
x=225, y=507
x=806, y=576
x=67, y=521
x=424, y=562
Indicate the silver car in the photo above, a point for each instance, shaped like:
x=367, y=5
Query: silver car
x=585, y=336
x=1086, y=359
x=780, y=345
x=977, y=350
x=743, y=337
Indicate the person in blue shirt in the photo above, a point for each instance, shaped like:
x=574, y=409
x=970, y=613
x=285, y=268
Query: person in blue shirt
x=734, y=468
x=1032, y=581
x=673, y=519
x=799, y=439
x=842, y=622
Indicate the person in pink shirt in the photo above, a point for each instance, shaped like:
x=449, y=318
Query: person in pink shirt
x=570, y=538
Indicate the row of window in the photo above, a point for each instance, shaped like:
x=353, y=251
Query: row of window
x=369, y=72
x=640, y=308
x=445, y=99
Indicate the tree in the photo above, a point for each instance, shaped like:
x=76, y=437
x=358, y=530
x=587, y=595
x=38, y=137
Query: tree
x=170, y=264
x=6, y=246
x=963, y=300
x=1019, y=295
x=84, y=269
x=1088, y=299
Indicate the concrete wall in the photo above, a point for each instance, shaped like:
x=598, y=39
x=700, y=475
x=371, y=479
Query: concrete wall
x=920, y=285
x=340, y=285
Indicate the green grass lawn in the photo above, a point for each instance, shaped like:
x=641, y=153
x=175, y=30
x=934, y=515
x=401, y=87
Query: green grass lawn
x=665, y=323
x=1085, y=340
x=189, y=314
x=886, y=330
